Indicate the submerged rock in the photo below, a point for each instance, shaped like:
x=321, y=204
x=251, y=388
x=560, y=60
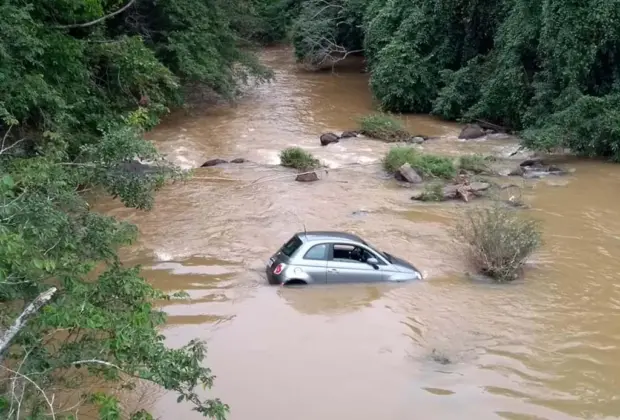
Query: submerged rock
x=238, y=160
x=307, y=177
x=408, y=174
x=213, y=162
x=472, y=131
x=348, y=134
x=328, y=138
x=416, y=140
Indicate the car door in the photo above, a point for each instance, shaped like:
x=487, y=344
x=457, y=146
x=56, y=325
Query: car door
x=314, y=262
x=343, y=269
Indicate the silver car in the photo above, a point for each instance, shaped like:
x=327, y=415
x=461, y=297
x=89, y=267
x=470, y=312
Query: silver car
x=335, y=257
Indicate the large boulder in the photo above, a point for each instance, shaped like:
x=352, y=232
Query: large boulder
x=408, y=174
x=307, y=177
x=472, y=131
x=213, y=162
x=328, y=138
x=416, y=140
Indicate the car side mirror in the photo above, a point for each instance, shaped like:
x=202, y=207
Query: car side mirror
x=372, y=261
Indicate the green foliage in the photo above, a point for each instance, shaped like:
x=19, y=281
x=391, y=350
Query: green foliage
x=74, y=105
x=432, y=192
x=497, y=241
x=383, y=127
x=426, y=165
x=548, y=67
x=298, y=158
x=476, y=164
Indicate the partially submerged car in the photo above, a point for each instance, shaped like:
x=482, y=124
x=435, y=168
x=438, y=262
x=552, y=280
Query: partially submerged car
x=335, y=257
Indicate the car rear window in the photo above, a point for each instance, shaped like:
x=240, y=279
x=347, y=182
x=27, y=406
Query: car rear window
x=291, y=246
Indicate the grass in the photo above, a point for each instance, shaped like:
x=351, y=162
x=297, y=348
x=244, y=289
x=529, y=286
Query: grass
x=383, y=127
x=476, y=164
x=432, y=192
x=427, y=165
x=298, y=158
x=497, y=240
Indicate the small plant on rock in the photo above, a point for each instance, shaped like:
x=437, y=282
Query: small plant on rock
x=497, y=240
x=427, y=165
x=298, y=158
x=383, y=127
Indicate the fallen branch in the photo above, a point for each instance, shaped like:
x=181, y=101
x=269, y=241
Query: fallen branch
x=22, y=319
x=94, y=22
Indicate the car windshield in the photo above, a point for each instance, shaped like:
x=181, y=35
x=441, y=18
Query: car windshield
x=382, y=253
x=291, y=246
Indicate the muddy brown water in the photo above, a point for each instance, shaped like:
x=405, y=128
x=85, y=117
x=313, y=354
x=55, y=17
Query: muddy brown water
x=447, y=347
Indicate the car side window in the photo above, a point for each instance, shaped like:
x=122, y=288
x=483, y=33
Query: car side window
x=352, y=253
x=317, y=252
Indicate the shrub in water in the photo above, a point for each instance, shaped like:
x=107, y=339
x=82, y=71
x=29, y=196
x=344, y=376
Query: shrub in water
x=474, y=163
x=298, y=158
x=497, y=240
x=383, y=127
x=427, y=165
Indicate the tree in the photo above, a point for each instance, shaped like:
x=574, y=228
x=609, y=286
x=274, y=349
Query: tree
x=327, y=31
x=80, y=82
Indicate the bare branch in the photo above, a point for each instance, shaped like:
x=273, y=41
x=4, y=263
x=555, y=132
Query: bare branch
x=94, y=22
x=47, y=400
x=5, y=149
x=22, y=319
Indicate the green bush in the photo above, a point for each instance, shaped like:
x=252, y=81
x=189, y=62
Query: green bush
x=432, y=192
x=298, y=158
x=474, y=163
x=383, y=127
x=427, y=165
x=497, y=240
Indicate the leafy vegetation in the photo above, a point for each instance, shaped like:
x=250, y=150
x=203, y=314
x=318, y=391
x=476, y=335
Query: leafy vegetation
x=383, y=127
x=432, y=192
x=298, y=158
x=549, y=69
x=497, y=240
x=476, y=164
x=426, y=165
x=80, y=82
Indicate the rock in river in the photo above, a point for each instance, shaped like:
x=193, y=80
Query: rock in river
x=408, y=174
x=328, y=138
x=348, y=134
x=472, y=131
x=307, y=177
x=238, y=160
x=213, y=162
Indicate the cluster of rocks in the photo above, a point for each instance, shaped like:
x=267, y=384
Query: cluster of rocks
x=535, y=168
x=328, y=138
x=463, y=190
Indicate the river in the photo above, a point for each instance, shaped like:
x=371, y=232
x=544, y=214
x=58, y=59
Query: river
x=545, y=347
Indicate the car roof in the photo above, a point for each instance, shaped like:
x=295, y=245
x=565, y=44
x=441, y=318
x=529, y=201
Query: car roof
x=328, y=235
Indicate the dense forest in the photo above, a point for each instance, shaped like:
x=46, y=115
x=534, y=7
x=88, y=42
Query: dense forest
x=548, y=69
x=82, y=80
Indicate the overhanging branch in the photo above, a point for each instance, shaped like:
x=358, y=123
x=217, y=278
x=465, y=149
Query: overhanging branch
x=20, y=322
x=96, y=21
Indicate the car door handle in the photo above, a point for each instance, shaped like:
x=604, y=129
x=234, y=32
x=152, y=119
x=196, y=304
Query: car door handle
x=333, y=270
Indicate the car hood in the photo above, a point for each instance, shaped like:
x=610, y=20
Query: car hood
x=402, y=264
